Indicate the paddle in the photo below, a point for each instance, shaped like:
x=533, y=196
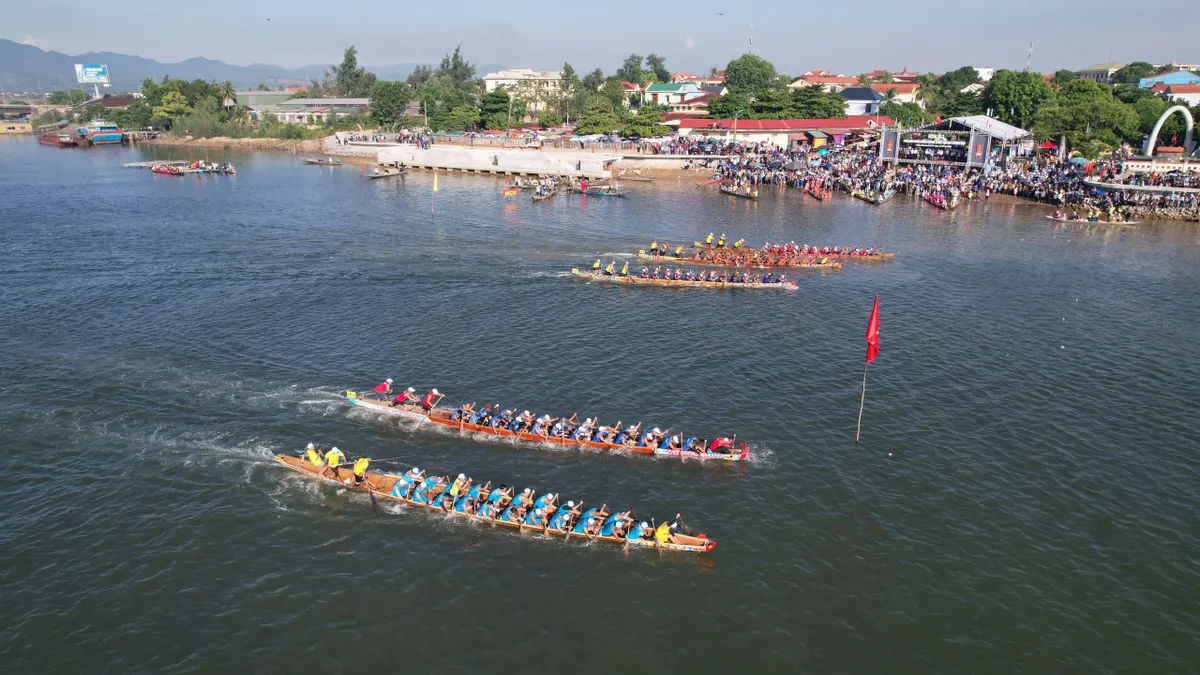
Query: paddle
x=371, y=494
x=685, y=525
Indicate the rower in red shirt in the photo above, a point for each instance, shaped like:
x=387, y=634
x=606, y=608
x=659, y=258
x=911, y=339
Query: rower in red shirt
x=406, y=397
x=383, y=389
x=430, y=400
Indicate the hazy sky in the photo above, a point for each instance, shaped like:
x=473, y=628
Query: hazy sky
x=797, y=36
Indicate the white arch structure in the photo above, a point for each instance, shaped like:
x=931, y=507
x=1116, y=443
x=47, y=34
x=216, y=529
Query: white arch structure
x=1190, y=124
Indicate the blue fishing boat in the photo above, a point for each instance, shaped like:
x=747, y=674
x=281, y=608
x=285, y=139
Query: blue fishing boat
x=100, y=132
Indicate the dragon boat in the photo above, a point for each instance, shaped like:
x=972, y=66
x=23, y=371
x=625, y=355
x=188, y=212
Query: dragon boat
x=323, y=161
x=1085, y=221
x=875, y=198
x=599, y=191
x=483, y=504
x=831, y=255
x=443, y=417
x=678, y=283
x=807, y=262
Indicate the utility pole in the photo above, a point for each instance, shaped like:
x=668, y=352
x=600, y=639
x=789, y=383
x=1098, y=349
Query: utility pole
x=1029, y=59
x=751, y=38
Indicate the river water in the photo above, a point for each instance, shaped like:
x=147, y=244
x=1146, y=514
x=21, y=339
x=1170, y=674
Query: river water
x=1024, y=497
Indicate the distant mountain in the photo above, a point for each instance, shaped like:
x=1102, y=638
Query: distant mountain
x=27, y=68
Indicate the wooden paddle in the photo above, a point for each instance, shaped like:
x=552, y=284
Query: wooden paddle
x=371, y=494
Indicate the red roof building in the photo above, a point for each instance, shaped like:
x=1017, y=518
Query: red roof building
x=782, y=132
x=834, y=84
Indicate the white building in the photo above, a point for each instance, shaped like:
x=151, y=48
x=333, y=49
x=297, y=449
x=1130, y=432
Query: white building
x=1187, y=94
x=538, y=89
x=985, y=74
x=1101, y=72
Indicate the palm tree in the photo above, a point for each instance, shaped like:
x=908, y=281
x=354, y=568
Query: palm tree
x=890, y=96
x=712, y=72
x=228, y=94
x=864, y=80
x=927, y=89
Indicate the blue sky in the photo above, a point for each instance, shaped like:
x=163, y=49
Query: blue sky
x=694, y=35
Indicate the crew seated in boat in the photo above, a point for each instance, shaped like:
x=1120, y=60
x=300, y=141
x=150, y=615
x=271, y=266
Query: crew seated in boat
x=627, y=434
x=625, y=269
x=537, y=518
x=406, y=398
x=672, y=443
x=645, y=274
x=496, y=502
x=650, y=438
x=429, y=488
x=519, y=422
x=605, y=434
x=665, y=532
x=596, y=265
x=564, y=519
x=584, y=431
x=404, y=487
x=383, y=389
x=640, y=530
x=590, y=522
x=501, y=420
x=462, y=412
x=312, y=455
x=479, y=416
x=560, y=427
x=739, y=242
x=519, y=506
x=608, y=269
x=679, y=251
x=616, y=525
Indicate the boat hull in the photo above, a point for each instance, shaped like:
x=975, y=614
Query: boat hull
x=814, y=264
x=637, y=281
x=832, y=256
x=380, y=485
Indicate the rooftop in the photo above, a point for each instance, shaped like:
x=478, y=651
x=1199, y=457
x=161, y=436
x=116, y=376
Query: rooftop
x=303, y=102
x=900, y=87
x=992, y=127
x=1183, y=89
x=1104, y=66
x=860, y=94
x=524, y=74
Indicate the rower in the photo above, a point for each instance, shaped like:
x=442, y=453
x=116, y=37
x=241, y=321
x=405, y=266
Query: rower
x=626, y=434
x=721, y=241
x=384, y=389
x=596, y=265
x=359, y=473
x=679, y=251
x=708, y=239
x=312, y=455
x=404, y=487
x=332, y=459
x=406, y=397
x=430, y=399
x=460, y=484
x=645, y=274
x=625, y=269
x=519, y=421
x=608, y=269
x=647, y=439
x=665, y=532
x=738, y=243
x=478, y=415
x=654, y=247
x=583, y=431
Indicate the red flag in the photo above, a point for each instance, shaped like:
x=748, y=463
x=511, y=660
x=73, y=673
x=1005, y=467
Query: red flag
x=873, y=332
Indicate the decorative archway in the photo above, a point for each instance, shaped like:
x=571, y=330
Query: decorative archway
x=1189, y=123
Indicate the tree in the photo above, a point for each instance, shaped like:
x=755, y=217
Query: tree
x=729, y=106
x=388, y=101
x=772, y=104
x=890, y=95
x=263, y=87
x=1133, y=73
x=460, y=71
x=1062, y=77
x=961, y=103
x=749, y=74
x=569, y=78
x=658, y=65
x=957, y=80
x=351, y=80
x=927, y=89
x=614, y=92
x=631, y=70
x=92, y=111
x=77, y=96
x=59, y=97
x=593, y=80
x=549, y=120
x=713, y=71
x=864, y=80
x=907, y=114
x=495, y=102
x=462, y=118
x=174, y=105
x=885, y=77
x=1089, y=116
x=419, y=76
x=646, y=123
x=228, y=95
x=1149, y=110
x=816, y=103
x=598, y=118
x=1015, y=96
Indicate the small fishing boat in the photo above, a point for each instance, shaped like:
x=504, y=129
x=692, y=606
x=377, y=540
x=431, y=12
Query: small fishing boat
x=600, y=191
x=545, y=515
x=1085, y=221
x=386, y=172
x=679, y=283
x=738, y=193
x=445, y=418
x=538, y=197
x=323, y=161
x=167, y=170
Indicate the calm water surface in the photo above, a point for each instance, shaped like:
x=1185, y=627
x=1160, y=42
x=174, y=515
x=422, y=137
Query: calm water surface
x=1024, y=498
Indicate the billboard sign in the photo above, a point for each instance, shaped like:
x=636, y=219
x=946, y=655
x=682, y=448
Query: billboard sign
x=91, y=73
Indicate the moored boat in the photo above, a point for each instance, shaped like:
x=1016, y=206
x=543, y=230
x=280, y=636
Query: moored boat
x=381, y=172
x=546, y=514
x=445, y=418
x=323, y=161
x=680, y=283
x=542, y=196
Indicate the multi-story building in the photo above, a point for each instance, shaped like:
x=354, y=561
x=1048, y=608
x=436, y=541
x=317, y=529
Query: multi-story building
x=538, y=89
x=1101, y=72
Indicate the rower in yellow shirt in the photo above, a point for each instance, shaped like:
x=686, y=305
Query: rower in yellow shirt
x=664, y=533
x=739, y=242
x=654, y=247
x=596, y=265
x=332, y=459
x=708, y=239
x=608, y=270
x=311, y=454
x=359, y=473
x=679, y=251
x=625, y=269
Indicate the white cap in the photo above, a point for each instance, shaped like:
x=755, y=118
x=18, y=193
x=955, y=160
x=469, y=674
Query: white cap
x=524, y=413
x=389, y=380
x=570, y=505
x=526, y=490
x=411, y=389
x=416, y=470
x=645, y=524
x=656, y=430
x=591, y=521
x=335, y=449
x=537, y=512
x=436, y=392
x=310, y=446
x=462, y=476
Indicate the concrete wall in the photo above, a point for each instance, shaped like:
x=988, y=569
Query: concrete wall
x=498, y=160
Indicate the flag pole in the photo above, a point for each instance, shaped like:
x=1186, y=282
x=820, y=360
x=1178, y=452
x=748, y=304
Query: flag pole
x=862, y=402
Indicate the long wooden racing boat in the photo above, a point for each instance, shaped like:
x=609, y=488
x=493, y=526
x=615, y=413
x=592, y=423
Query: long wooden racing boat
x=442, y=418
x=600, y=191
x=1085, y=221
x=426, y=493
x=738, y=193
x=810, y=262
x=323, y=161
x=638, y=281
x=832, y=256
